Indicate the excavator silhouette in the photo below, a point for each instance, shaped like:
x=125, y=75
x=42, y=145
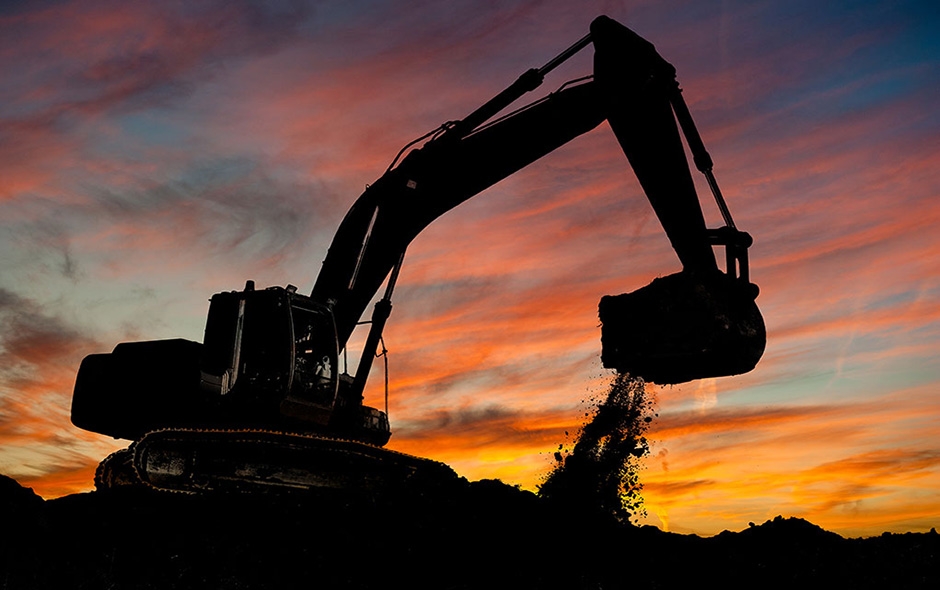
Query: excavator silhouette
x=261, y=404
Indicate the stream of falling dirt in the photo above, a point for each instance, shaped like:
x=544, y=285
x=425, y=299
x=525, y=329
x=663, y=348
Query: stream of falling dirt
x=602, y=470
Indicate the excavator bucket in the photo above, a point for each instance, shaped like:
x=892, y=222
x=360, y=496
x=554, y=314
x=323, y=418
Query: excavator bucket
x=682, y=327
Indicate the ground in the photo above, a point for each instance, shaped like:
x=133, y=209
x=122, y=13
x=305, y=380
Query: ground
x=471, y=535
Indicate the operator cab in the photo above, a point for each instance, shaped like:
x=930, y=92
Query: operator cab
x=272, y=349
x=272, y=354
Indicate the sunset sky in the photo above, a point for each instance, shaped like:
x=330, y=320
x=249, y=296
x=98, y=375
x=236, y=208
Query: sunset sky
x=154, y=153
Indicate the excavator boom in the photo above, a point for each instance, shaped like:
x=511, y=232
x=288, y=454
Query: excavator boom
x=630, y=89
x=635, y=91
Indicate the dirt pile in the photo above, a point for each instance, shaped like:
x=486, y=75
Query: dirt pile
x=602, y=472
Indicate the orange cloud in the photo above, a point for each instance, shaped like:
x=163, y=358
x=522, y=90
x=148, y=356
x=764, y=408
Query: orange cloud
x=823, y=463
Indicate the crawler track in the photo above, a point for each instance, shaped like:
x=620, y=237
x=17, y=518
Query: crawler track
x=253, y=461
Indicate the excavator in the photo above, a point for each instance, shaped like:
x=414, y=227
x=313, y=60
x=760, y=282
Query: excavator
x=261, y=403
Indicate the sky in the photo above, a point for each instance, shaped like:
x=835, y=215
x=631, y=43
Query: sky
x=155, y=153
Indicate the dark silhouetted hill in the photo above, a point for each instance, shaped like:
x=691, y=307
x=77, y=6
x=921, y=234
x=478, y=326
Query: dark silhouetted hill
x=476, y=535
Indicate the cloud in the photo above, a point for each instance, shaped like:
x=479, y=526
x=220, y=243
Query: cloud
x=220, y=205
x=39, y=356
x=62, y=480
x=842, y=465
x=37, y=350
x=120, y=56
x=489, y=440
x=671, y=489
x=113, y=58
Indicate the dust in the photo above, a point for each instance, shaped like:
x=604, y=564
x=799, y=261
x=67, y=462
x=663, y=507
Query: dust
x=602, y=471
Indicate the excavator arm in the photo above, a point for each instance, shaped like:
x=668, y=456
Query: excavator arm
x=635, y=91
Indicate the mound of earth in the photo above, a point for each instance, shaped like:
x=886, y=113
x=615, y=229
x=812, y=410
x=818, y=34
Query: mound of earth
x=475, y=535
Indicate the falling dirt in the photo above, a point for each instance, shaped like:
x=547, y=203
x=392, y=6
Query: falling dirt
x=602, y=471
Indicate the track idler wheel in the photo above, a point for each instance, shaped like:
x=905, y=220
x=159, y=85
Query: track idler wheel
x=117, y=471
